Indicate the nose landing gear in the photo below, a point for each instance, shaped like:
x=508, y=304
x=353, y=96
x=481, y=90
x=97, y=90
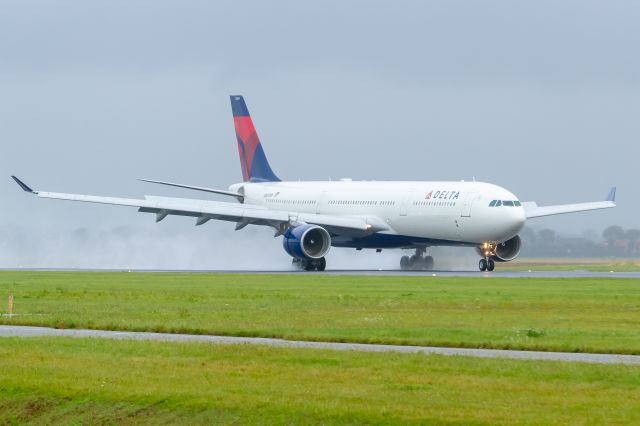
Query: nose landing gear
x=487, y=264
x=417, y=262
x=487, y=249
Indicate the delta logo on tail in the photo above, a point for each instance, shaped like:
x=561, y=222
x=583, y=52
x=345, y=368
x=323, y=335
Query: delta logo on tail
x=253, y=161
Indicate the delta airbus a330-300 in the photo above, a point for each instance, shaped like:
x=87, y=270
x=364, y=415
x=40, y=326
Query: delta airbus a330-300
x=313, y=216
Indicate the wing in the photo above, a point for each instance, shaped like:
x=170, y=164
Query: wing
x=242, y=214
x=533, y=210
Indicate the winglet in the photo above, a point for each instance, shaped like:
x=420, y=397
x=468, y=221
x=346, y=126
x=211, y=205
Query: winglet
x=23, y=185
x=612, y=195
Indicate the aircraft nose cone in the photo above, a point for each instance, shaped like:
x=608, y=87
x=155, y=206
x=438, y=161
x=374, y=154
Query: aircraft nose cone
x=515, y=220
x=512, y=221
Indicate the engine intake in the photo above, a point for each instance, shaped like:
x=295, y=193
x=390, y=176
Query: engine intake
x=307, y=242
x=508, y=250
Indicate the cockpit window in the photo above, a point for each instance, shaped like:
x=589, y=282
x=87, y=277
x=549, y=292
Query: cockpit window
x=508, y=203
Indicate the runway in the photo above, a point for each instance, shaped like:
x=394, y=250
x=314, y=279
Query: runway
x=26, y=331
x=467, y=274
x=368, y=272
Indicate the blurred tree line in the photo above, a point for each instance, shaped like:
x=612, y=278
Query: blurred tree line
x=614, y=241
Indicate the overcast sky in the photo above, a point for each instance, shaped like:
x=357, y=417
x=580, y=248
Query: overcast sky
x=541, y=97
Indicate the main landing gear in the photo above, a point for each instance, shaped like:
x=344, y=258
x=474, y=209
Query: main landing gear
x=487, y=265
x=417, y=262
x=310, y=264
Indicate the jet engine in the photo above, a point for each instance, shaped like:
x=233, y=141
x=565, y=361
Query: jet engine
x=307, y=242
x=508, y=250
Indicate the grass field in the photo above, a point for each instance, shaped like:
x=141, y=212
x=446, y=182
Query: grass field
x=569, y=264
x=581, y=315
x=66, y=380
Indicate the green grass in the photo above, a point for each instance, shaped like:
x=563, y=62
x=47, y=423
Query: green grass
x=580, y=315
x=94, y=381
x=568, y=264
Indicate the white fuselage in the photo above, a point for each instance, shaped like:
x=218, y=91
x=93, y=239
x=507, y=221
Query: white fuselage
x=447, y=213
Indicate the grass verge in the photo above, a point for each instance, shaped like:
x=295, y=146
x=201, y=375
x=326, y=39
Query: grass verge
x=66, y=380
x=569, y=264
x=575, y=315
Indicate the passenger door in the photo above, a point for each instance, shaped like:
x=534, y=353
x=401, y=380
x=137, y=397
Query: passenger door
x=404, y=205
x=321, y=203
x=468, y=202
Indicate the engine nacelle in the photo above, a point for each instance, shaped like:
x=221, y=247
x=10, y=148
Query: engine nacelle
x=307, y=242
x=501, y=252
x=508, y=250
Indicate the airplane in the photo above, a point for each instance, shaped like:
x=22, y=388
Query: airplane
x=314, y=216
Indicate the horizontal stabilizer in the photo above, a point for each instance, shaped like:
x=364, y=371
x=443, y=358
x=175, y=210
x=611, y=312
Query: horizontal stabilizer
x=240, y=197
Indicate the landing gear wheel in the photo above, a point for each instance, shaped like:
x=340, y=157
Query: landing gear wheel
x=405, y=263
x=491, y=265
x=427, y=263
x=483, y=265
x=297, y=264
x=310, y=265
x=416, y=263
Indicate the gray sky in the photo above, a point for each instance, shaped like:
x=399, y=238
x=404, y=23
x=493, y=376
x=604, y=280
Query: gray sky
x=541, y=97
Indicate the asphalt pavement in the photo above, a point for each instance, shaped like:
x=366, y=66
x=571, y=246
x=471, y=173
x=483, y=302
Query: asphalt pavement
x=372, y=272
x=26, y=331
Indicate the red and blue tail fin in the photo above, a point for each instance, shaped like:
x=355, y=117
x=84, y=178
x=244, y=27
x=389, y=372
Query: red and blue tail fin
x=255, y=167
